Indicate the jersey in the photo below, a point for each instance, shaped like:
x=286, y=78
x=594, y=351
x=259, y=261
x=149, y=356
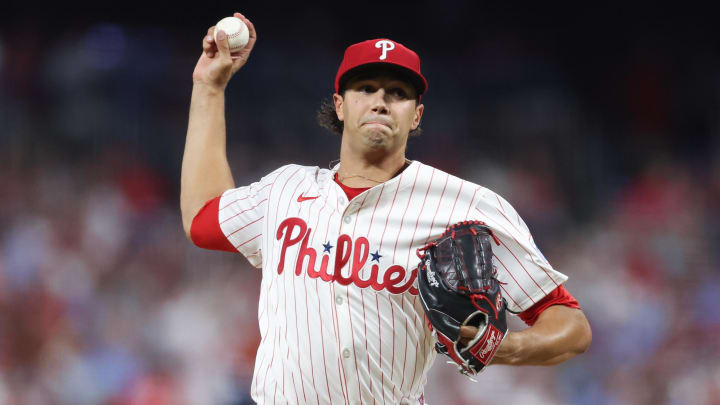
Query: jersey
x=339, y=314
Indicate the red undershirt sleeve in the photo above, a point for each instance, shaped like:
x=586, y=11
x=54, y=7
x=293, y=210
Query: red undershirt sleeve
x=205, y=230
x=559, y=296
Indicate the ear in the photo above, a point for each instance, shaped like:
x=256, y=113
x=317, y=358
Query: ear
x=418, y=115
x=338, y=100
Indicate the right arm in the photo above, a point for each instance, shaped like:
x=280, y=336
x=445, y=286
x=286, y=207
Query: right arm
x=205, y=170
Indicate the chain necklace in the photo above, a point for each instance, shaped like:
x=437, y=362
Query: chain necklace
x=342, y=179
x=352, y=175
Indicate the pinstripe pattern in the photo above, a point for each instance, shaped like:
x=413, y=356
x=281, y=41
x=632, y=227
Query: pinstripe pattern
x=356, y=334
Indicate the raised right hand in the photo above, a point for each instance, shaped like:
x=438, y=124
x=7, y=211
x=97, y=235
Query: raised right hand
x=216, y=65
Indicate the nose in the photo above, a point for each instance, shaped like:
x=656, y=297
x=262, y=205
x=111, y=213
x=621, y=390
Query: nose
x=379, y=102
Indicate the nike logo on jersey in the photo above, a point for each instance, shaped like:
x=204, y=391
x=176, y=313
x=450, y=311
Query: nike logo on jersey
x=301, y=198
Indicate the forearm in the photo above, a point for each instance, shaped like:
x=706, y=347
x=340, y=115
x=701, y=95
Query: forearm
x=205, y=169
x=559, y=334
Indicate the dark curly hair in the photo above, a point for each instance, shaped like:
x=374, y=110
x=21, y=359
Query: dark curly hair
x=327, y=118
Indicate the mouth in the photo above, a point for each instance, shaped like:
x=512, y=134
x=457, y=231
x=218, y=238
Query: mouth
x=378, y=122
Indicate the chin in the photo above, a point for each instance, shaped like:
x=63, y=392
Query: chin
x=377, y=139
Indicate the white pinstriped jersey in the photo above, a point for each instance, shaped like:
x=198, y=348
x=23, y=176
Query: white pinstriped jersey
x=339, y=314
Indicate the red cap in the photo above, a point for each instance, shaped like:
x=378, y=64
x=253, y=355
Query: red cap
x=380, y=52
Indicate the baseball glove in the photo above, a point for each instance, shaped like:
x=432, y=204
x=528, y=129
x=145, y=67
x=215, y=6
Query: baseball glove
x=457, y=285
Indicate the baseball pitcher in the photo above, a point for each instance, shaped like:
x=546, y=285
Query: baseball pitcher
x=371, y=267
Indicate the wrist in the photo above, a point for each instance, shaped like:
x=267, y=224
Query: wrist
x=510, y=349
x=206, y=89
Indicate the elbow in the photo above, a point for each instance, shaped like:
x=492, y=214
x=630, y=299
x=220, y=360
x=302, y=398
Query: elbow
x=186, y=228
x=187, y=221
x=584, y=336
x=189, y=208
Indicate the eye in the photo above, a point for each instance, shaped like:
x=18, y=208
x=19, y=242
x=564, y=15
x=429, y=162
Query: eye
x=398, y=92
x=366, y=88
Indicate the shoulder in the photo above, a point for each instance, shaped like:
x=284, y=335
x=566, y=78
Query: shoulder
x=452, y=185
x=464, y=192
x=293, y=170
x=291, y=176
x=489, y=199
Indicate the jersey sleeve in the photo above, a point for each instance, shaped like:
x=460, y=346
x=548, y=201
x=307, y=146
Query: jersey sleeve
x=526, y=275
x=559, y=296
x=241, y=215
x=205, y=231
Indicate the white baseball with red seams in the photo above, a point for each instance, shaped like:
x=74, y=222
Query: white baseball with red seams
x=237, y=32
x=339, y=315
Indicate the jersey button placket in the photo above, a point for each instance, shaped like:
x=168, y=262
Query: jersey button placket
x=345, y=335
x=351, y=210
x=343, y=316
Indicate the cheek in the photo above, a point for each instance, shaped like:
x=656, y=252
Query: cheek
x=354, y=109
x=409, y=117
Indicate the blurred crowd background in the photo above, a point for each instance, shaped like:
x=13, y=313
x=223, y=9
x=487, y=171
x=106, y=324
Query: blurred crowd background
x=601, y=127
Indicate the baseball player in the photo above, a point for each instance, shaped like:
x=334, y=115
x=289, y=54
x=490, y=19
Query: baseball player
x=339, y=313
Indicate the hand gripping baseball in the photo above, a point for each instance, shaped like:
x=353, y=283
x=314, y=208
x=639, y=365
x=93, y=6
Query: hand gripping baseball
x=216, y=64
x=457, y=286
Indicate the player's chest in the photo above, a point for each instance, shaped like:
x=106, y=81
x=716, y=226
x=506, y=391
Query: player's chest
x=369, y=242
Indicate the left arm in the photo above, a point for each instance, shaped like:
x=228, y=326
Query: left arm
x=559, y=333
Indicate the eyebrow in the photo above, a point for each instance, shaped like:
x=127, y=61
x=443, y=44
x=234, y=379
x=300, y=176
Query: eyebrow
x=393, y=80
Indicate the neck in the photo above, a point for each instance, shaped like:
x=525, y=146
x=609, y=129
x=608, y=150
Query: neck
x=371, y=169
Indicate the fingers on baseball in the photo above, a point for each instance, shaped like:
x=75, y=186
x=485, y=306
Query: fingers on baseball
x=226, y=57
x=208, y=43
x=222, y=46
x=251, y=30
x=253, y=35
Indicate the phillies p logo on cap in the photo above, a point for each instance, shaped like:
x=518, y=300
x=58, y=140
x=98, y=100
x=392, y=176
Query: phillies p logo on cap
x=380, y=52
x=386, y=46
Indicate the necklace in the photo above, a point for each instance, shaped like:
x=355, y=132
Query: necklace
x=353, y=175
x=350, y=176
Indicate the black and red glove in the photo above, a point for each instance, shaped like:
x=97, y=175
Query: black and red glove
x=458, y=287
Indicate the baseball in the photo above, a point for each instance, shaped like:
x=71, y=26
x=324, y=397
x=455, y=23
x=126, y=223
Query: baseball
x=236, y=30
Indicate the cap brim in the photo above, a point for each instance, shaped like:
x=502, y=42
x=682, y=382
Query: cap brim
x=406, y=74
